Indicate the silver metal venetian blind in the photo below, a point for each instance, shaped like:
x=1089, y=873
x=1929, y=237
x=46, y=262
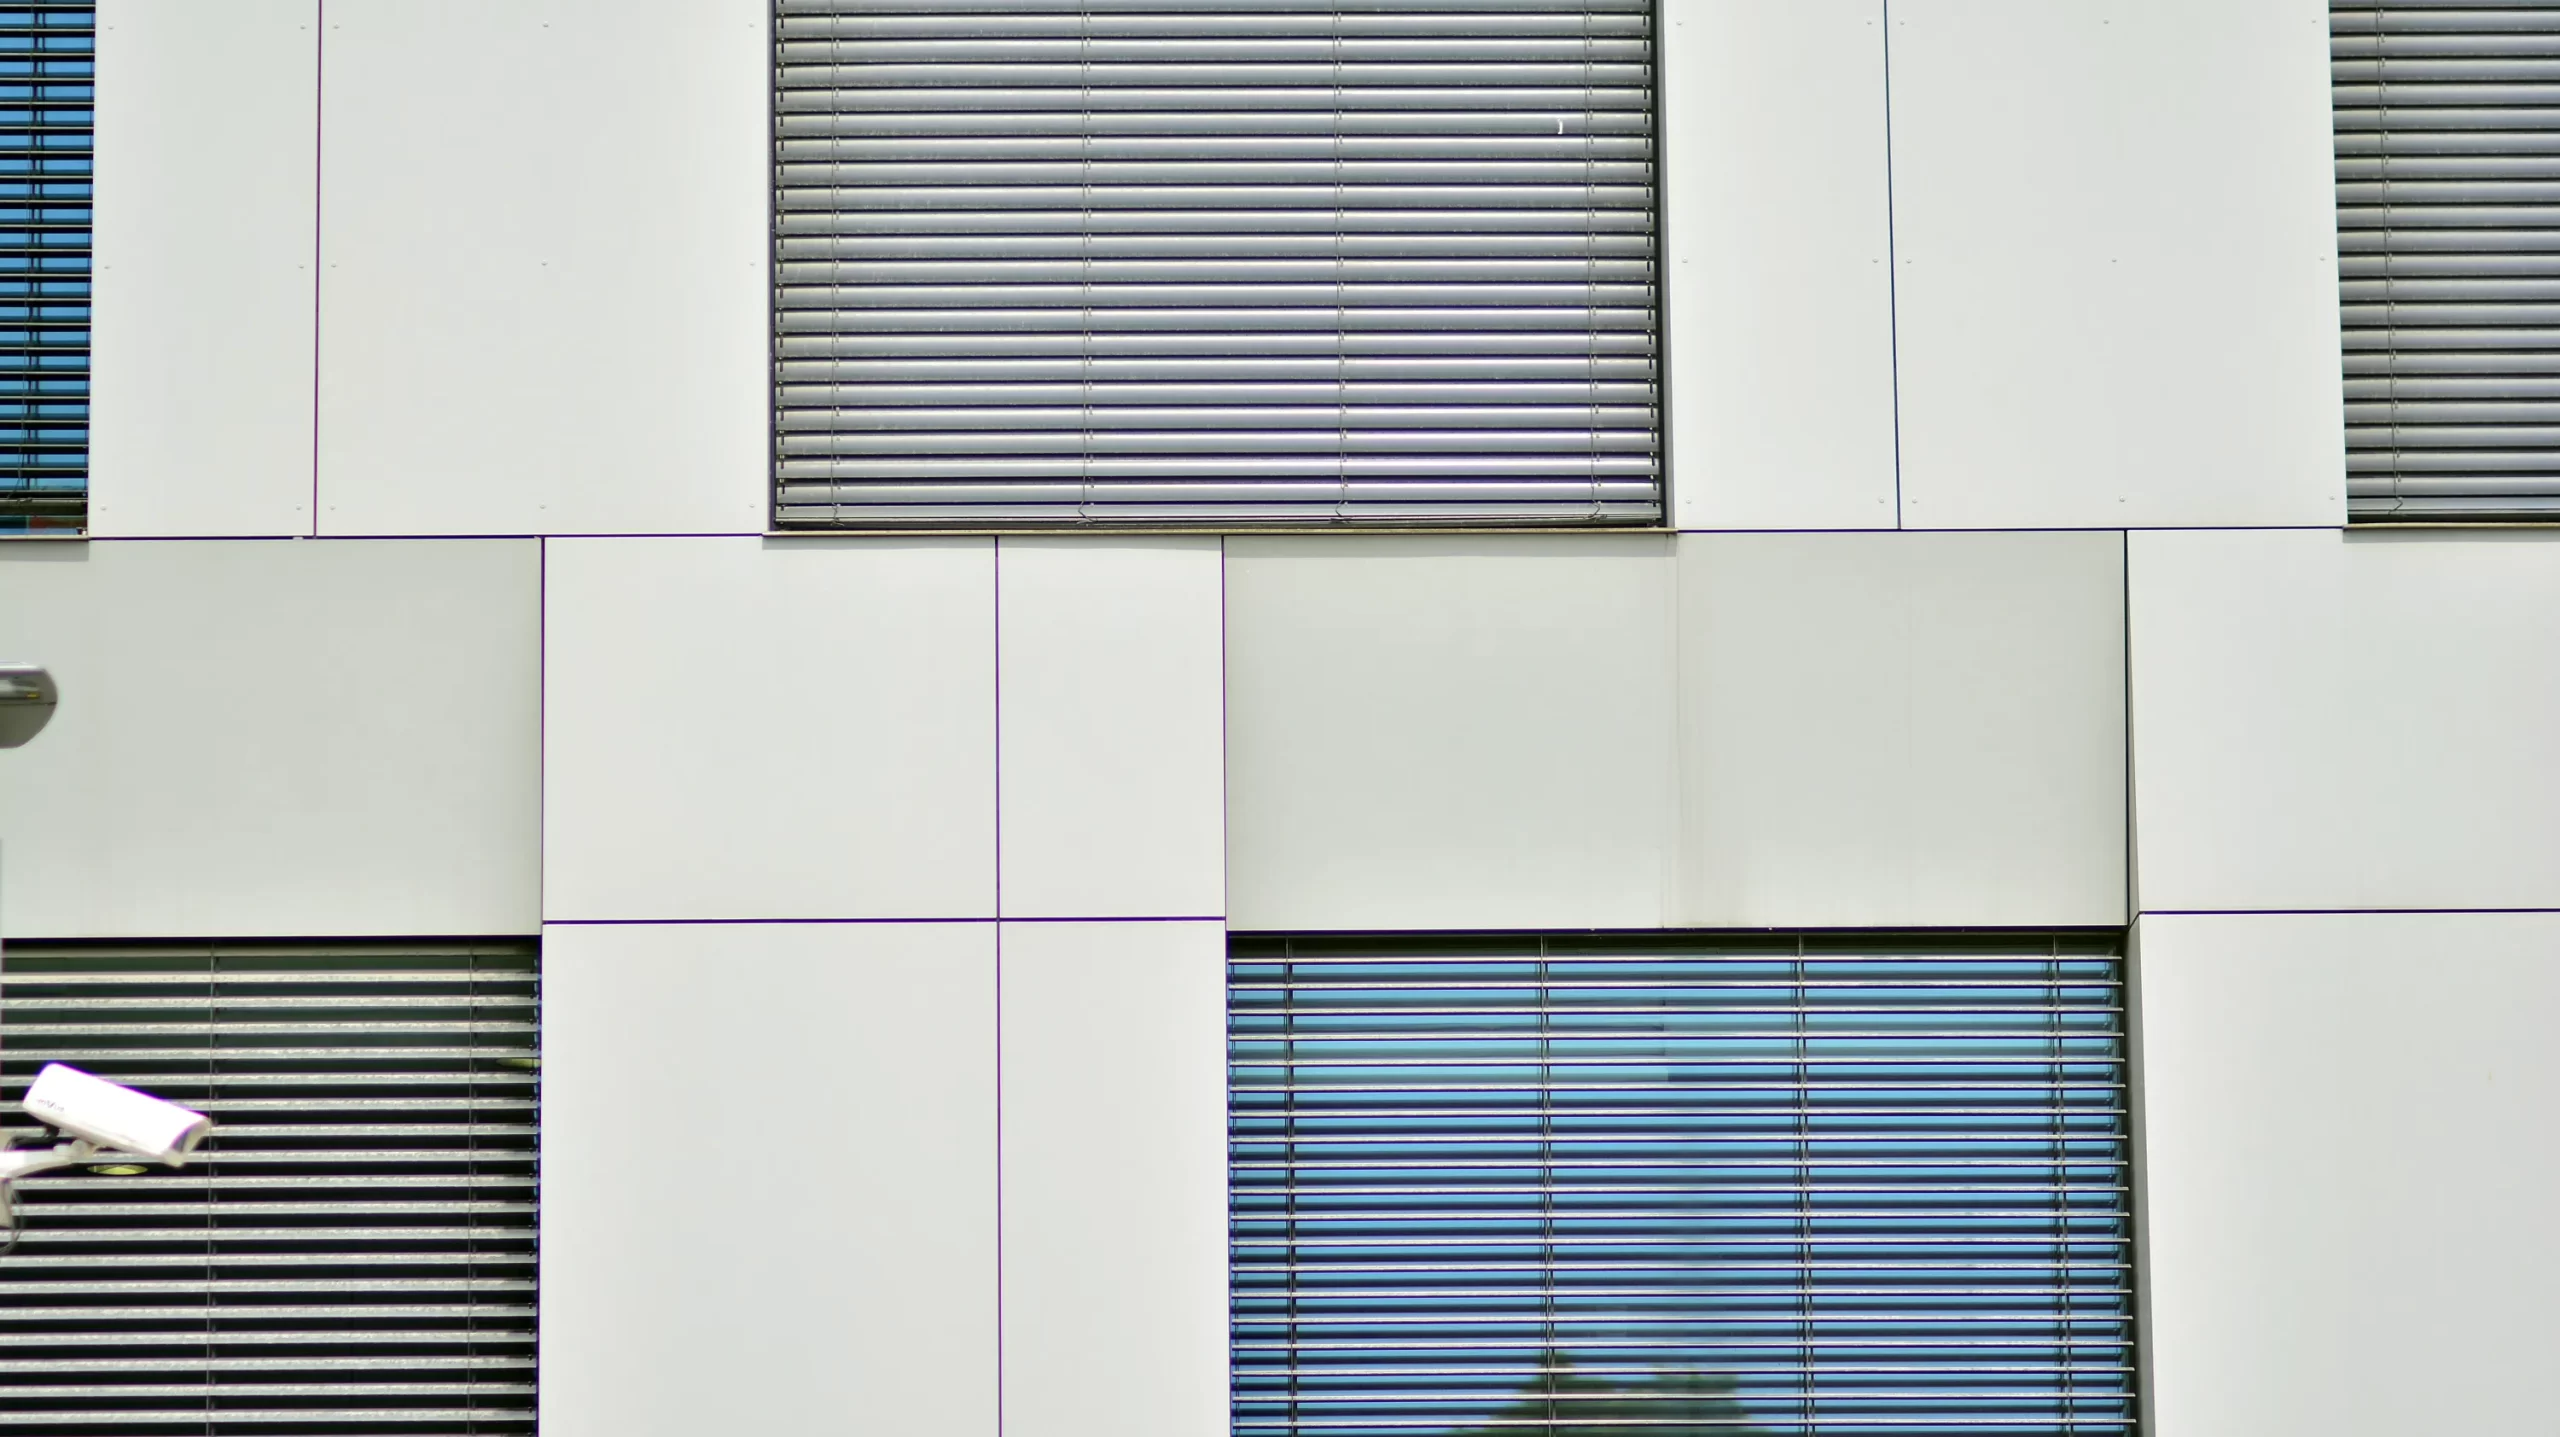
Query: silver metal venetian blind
x=353, y=1248
x=2448, y=131
x=1215, y=261
x=1750, y=1184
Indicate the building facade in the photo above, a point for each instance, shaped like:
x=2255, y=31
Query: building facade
x=885, y=879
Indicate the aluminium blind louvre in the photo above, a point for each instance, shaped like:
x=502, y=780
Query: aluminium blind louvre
x=352, y=1249
x=1224, y=262
x=2448, y=146
x=1610, y=1185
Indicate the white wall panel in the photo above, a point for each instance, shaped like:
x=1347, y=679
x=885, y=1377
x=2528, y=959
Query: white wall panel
x=208, y=187
x=2348, y=1174
x=1113, y=720
x=1903, y=729
x=2116, y=230
x=769, y=1179
x=2327, y=720
x=543, y=249
x=1449, y=732
x=1777, y=236
x=275, y=738
x=753, y=728
x=1115, y=1179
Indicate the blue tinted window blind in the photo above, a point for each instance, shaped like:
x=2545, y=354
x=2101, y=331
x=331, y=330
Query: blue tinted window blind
x=47, y=68
x=1597, y=1185
x=1224, y=262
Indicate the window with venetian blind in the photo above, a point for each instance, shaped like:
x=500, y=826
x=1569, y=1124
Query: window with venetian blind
x=1741, y=1183
x=2448, y=138
x=352, y=1248
x=1224, y=262
x=47, y=88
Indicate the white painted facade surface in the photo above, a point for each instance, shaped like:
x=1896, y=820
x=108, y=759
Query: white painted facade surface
x=1450, y=732
x=2345, y=1192
x=2116, y=277
x=543, y=242
x=838, y=810
x=271, y=737
x=2347, y=721
x=1902, y=730
x=204, y=334
x=1777, y=264
x=836, y=1235
x=869, y=790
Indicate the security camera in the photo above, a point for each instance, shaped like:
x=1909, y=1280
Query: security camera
x=99, y=1116
x=111, y=1115
x=27, y=698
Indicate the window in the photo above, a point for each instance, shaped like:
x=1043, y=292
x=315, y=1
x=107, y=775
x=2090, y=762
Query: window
x=47, y=64
x=1118, y=261
x=353, y=1247
x=1816, y=1183
x=2449, y=254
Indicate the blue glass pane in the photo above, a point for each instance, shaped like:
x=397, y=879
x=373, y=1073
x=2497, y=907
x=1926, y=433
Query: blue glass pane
x=47, y=69
x=1679, y=1185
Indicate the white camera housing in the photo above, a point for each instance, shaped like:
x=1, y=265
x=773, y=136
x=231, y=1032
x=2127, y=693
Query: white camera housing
x=111, y=1115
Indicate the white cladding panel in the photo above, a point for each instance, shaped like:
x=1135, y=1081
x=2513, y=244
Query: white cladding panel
x=208, y=131
x=2347, y=1173
x=1902, y=729
x=1771, y=729
x=2117, y=288
x=1777, y=282
x=1115, y=1179
x=759, y=728
x=543, y=246
x=275, y=737
x=769, y=1179
x=2365, y=720
x=1449, y=732
x=1113, y=716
